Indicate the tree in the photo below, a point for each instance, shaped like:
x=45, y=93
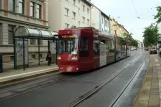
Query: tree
x=129, y=37
x=151, y=35
x=134, y=43
x=158, y=15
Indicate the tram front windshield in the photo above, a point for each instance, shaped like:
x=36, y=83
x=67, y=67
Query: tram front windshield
x=68, y=44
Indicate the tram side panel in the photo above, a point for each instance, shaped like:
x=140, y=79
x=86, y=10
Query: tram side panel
x=103, y=54
x=86, y=51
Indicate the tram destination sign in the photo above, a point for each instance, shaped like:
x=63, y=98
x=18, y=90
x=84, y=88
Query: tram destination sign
x=68, y=36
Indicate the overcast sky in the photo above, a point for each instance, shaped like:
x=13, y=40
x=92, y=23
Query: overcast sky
x=126, y=14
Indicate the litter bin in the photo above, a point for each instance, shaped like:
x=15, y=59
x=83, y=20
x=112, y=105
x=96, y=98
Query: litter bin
x=1, y=64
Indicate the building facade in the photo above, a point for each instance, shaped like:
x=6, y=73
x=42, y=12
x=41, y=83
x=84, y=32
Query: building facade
x=69, y=13
x=99, y=20
x=115, y=26
x=28, y=13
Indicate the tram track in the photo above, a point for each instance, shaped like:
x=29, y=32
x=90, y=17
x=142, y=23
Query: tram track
x=8, y=93
x=52, y=79
x=114, y=104
x=98, y=87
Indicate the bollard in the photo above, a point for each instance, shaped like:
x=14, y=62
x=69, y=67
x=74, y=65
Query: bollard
x=1, y=64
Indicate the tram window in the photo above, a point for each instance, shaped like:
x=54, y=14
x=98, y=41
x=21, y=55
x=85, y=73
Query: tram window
x=84, y=48
x=110, y=46
x=96, y=49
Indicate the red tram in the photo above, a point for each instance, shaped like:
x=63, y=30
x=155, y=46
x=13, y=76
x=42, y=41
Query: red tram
x=84, y=49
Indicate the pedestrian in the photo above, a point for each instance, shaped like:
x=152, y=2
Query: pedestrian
x=48, y=58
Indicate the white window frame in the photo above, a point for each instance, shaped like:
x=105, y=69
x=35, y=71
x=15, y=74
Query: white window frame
x=66, y=12
x=22, y=9
x=87, y=21
x=87, y=10
x=13, y=6
x=83, y=18
x=74, y=15
x=38, y=14
x=32, y=7
x=83, y=8
x=74, y=2
x=66, y=25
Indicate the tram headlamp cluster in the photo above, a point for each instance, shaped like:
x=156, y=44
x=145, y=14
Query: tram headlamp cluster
x=59, y=57
x=74, y=58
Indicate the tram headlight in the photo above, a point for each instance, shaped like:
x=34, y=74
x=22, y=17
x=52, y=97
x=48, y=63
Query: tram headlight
x=74, y=58
x=59, y=57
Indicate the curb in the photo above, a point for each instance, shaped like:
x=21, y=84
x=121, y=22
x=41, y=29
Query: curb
x=15, y=79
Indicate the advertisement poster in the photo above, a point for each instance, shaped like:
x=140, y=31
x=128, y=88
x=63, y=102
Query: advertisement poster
x=53, y=47
x=19, y=52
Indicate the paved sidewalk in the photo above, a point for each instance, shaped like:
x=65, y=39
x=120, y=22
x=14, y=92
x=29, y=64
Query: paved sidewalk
x=29, y=72
x=149, y=95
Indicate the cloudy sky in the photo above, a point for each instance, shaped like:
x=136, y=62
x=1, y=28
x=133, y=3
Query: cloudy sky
x=127, y=14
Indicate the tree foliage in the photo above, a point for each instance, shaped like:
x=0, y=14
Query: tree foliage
x=158, y=15
x=151, y=35
x=133, y=41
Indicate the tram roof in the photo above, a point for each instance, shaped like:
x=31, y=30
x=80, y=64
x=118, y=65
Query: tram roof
x=33, y=32
x=100, y=33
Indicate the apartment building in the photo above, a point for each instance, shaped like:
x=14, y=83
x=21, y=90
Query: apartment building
x=120, y=29
x=104, y=22
x=28, y=13
x=69, y=13
x=99, y=19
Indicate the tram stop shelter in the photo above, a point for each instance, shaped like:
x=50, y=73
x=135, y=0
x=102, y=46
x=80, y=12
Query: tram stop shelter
x=21, y=36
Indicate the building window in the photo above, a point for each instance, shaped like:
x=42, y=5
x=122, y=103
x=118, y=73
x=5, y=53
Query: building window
x=33, y=56
x=66, y=26
x=78, y=1
x=10, y=33
x=38, y=10
x=32, y=9
x=11, y=5
x=83, y=7
x=73, y=26
x=12, y=58
x=88, y=21
x=105, y=22
x=41, y=56
x=32, y=41
x=74, y=15
x=74, y=2
x=83, y=19
x=87, y=10
x=96, y=49
x=78, y=10
x=79, y=23
x=21, y=6
x=102, y=20
x=66, y=11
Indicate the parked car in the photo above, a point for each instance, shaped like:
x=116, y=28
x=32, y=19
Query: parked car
x=153, y=51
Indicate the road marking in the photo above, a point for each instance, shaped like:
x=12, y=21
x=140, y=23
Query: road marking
x=32, y=72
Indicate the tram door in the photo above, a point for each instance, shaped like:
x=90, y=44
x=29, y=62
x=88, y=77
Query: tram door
x=85, y=57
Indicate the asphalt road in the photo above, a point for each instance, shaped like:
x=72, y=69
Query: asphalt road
x=63, y=93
